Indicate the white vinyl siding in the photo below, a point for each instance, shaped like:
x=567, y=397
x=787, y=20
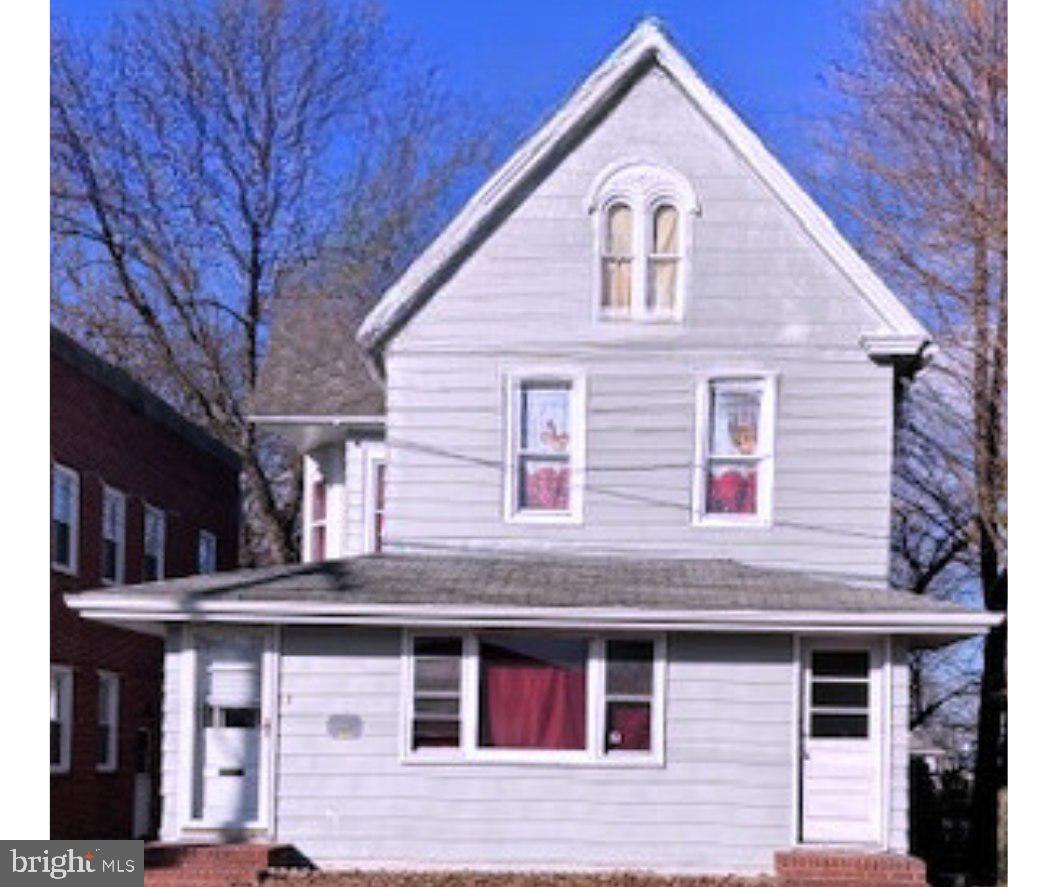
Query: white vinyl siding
x=113, y=549
x=760, y=296
x=721, y=802
x=65, y=518
x=108, y=721
x=61, y=727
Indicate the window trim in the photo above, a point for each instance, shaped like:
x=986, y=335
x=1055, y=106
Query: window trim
x=769, y=381
x=74, y=477
x=110, y=492
x=470, y=753
x=644, y=187
x=149, y=509
x=514, y=380
x=65, y=675
x=113, y=680
x=205, y=534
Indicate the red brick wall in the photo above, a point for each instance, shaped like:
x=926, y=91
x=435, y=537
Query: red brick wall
x=107, y=439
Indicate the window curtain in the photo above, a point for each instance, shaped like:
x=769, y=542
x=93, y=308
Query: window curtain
x=534, y=694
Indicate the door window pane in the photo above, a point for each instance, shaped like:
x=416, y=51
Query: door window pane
x=839, y=726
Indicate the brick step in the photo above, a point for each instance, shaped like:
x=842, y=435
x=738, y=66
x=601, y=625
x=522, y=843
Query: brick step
x=845, y=868
x=246, y=857
x=193, y=878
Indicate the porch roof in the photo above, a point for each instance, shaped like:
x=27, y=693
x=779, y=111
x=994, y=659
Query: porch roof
x=539, y=588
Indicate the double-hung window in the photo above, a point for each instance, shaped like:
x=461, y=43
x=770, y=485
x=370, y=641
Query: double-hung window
x=107, y=723
x=545, y=448
x=734, y=468
x=153, y=543
x=113, y=536
x=318, y=519
x=65, y=513
x=61, y=717
x=520, y=696
x=207, y=552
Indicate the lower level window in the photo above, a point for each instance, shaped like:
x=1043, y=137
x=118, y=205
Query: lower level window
x=525, y=696
x=61, y=717
x=107, y=755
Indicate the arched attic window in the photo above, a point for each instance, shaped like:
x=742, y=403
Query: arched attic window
x=642, y=230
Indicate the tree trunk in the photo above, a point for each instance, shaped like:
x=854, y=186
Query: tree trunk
x=989, y=772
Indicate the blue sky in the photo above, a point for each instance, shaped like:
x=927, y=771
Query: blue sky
x=768, y=58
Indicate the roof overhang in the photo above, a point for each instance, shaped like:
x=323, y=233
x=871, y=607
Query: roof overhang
x=307, y=432
x=153, y=610
x=647, y=45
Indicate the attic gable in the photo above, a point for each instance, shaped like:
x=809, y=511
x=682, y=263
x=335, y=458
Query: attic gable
x=899, y=336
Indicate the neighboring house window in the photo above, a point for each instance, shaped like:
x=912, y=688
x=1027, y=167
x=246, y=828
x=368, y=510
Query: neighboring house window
x=546, y=448
x=516, y=696
x=318, y=520
x=207, y=552
x=643, y=231
x=65, y=517
x=107, y=730
x=113, y=535
x=61, y=717
x=153, y=543
x=734, y=469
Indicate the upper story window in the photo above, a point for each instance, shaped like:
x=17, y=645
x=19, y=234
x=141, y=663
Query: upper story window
x=734, y=471
x=374, y=514
x=545, y=448
x=207, y=552
x=643, y=235
x=113, y=535
x=153, y=543
x=65, y=512
x=61, y=717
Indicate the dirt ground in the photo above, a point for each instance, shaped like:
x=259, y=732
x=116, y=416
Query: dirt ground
x=478, y=879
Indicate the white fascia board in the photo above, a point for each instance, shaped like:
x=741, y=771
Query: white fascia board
x=646, y=41
x=317, y=420
x=104, y=606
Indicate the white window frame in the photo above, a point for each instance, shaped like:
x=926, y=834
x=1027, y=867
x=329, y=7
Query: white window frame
x=374, y=455
x=74, y=479
x=203, y=535
x=64, y=675
x=112, y=719
x=765, y=458
x=470, y=752
x=150, y=511
x=644, y=188
x=576, y=380
x=111, y=494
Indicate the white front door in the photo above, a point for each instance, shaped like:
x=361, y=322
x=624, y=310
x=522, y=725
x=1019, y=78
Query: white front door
x=841, y=767
x=230, y=728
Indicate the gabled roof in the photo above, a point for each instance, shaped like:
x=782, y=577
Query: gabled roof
x=314, y=370
x=898, y=334
x=511, y=589
x=138, y=397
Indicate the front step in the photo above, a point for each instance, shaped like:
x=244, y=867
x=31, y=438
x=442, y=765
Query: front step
x=214, y=865
x=842, y=868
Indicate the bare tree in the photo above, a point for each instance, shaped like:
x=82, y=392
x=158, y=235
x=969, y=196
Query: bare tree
x=211, y=157
x=923, y=145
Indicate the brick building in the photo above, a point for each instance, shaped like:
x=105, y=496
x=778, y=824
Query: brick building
x=138, y=493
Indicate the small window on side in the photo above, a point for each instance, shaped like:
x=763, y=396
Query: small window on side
x=629, y=695
x=437, y=664
x=113, y=553
x=61, y=717
x=153, y=544
x=107, y=724
x=65, y=518
x=207, y=552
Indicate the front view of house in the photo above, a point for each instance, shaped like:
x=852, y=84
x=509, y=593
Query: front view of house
x=596, y=522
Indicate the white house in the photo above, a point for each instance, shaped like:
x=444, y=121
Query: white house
x=597, y=505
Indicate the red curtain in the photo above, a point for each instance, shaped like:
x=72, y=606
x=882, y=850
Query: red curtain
x=531, y=703
x=629, y=726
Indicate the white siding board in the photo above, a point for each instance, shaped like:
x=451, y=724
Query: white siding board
x=721, y=802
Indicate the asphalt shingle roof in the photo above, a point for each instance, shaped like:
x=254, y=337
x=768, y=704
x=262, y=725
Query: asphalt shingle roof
x=313, y=366
x=539, y=581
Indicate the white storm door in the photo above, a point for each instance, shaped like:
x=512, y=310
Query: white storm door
x=230, y=728
x=841, y=766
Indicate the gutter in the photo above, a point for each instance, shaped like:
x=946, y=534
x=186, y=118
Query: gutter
x=103, y=606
